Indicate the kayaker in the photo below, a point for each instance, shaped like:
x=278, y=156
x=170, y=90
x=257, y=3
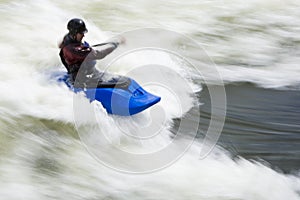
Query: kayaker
x=74, y=51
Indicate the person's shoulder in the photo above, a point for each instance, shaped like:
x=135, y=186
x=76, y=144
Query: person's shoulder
x=68, y=40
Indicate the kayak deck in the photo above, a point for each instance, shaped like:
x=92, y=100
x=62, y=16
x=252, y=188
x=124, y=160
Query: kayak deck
x=119, y=95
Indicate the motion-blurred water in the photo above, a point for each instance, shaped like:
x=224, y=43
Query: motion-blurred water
x=255, y=46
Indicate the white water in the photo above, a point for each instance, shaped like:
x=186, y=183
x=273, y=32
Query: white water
x=29, y=40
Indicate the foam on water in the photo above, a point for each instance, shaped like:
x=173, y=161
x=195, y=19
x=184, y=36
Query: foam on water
x=44, y=164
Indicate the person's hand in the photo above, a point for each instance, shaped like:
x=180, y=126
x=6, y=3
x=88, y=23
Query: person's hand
x=122, y=40
x=118, y=40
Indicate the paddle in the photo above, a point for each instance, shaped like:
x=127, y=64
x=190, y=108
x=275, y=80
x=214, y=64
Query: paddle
x=122, y=41
x=101, y=44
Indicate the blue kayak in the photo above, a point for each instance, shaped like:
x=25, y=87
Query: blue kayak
x=119, y=95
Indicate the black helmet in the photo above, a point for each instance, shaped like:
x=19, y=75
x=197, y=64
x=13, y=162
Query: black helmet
x=76, y=26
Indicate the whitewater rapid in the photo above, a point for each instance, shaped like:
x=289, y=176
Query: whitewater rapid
x=43, y=154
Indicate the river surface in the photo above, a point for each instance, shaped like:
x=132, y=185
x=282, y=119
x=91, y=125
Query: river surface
x=241, y=61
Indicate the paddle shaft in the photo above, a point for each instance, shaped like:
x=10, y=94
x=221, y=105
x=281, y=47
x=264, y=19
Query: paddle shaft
x=105, y=43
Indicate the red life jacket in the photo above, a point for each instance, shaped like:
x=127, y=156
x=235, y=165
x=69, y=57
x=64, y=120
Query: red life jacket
x=73, y=53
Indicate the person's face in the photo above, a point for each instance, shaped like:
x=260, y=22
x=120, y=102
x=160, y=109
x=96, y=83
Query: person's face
x=79, y=36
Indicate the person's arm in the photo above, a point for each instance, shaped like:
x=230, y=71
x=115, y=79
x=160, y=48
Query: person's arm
x=107, y=49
